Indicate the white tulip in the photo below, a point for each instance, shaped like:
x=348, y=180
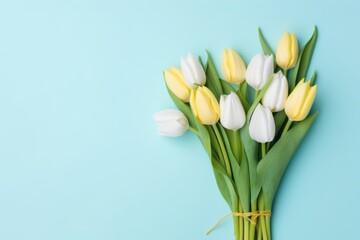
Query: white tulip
x=262, y=125
x=259, y=70
x=232, y=114
x=193, y=72
x=171, y=122
x=277, y=93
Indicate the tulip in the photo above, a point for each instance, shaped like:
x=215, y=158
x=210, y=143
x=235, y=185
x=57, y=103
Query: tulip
x=276, y=94
x=232, y=114
x=233, y=66
x=176, y=83
x=260, y=68
x=262, y=125
x=299, y=102
x=172, y=123
x=204, y=106
x=287, y=51
x=194, y=74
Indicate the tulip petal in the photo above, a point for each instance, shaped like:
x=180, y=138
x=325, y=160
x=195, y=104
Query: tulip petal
x=283, y=52
x=225, y=65
x=250, y=72
x=268, y=70
x=193, y=103
x=295, y=99
x=196, y=69
x=176, y=83
x=187, y=72
x=237, y=67
x=168, y=114
x=259, y=70
x=260, y=62
x=308, y=102
x=262, y=125
x=232, y=115
x=294, y=49
x=270, y=125
x=284, y=91
x=205, y=106
x=171, y=122
x=276, y=94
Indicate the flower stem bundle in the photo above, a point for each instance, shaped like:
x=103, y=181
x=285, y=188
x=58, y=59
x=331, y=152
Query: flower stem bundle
x=250, y=121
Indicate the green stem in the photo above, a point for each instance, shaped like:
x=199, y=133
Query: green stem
x=263, y=228
x=236, y=227
x=259, y=233
x=285, y=72
x=262, y=218
x=267, y=146
x=246, y=229
x=287, y=126
x=236, y=145
x=223, y=150
x=263, y=150
x=252, y=226
x=256, y=93
x=268, y=228
x=244, y=86
x=241, y=224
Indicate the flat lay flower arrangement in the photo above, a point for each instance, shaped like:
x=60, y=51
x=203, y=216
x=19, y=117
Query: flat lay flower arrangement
x=250, y=121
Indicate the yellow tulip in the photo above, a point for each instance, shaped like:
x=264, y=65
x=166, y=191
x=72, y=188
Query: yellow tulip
x=287, y=51
x=233, y=66
x=205, y=106
x=176, y=83
x=299, y=102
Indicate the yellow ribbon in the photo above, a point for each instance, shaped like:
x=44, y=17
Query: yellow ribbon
x=251, y=216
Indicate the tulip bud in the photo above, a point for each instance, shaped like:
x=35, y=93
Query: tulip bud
x=276, y=94
x=299, y=102
x=172, y=123
x=262, y=125
x=259, y=70
x=194, y=74
x=287, y=51
x=175, y=82
x=232, y=114
x=204, y=106
x=233, y=66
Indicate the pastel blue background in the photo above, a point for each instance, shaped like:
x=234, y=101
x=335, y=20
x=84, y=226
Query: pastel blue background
x=79, y=155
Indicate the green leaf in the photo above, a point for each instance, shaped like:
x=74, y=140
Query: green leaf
x=225, y=184
x=243, y=100
x=233, y=161
x=265, y=46
x=223, y=188
x=279, y=118
x=226, y=87
x=240, y=172
x=244, y=89
x=272, y=167
x=306, y=56
x=183, y=107
x=303, y=62
x=251, y=147
x=204, y=137
x=212, y=78
x=312, y=79
x=244, y=189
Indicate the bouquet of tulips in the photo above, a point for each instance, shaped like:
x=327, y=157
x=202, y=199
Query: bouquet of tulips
x=250, y=122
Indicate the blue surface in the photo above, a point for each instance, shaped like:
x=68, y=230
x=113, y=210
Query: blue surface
x=80, y=81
